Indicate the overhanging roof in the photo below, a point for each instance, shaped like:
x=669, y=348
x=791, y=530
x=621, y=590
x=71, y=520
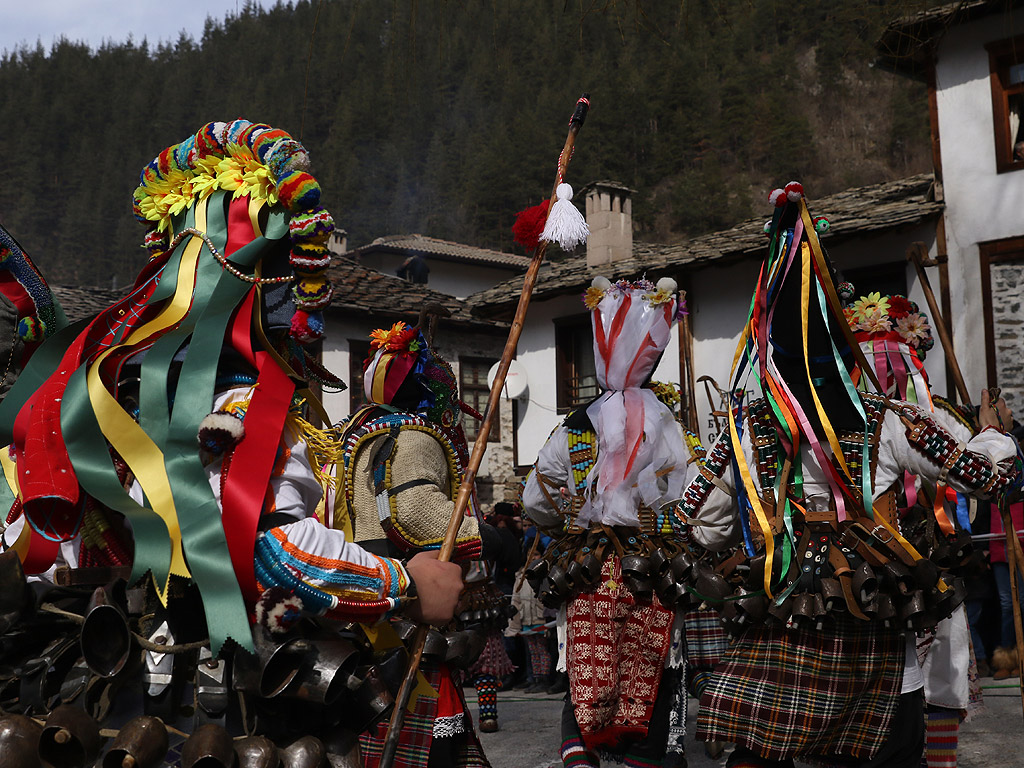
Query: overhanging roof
x=907, y=44
x=854, y=212
x=444, y=250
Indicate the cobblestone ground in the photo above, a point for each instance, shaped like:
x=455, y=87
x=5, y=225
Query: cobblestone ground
x=994, y=738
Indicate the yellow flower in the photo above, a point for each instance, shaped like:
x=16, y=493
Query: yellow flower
x=230, y=175
x=658, y=297
x=381, y=338
x=593, y=297
x=867, y=305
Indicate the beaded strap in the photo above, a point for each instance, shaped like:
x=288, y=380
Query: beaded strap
x=224, y=262
x=697, y=492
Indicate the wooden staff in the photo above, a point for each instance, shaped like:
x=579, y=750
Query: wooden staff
x=469, y=478
x=918, y=254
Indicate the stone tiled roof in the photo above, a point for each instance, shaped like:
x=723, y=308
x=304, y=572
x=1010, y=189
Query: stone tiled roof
x=363, y=291
x=907, y=43
x=859, y=211
x=79, y=302
x=433, y=248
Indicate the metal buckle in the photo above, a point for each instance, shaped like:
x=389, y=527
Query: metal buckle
x=889, y=533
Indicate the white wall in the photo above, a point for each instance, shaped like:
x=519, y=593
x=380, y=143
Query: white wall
x=454, y=278
x=538, y=414
x=981, y=205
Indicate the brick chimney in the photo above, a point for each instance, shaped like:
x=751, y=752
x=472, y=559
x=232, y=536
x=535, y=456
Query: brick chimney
x=610, y=218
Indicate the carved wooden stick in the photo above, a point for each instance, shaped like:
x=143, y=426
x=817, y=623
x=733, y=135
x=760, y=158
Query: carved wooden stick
x=469, y=477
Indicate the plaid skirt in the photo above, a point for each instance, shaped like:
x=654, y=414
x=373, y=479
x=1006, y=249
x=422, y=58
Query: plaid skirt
x=418, y=727
x=808, y=694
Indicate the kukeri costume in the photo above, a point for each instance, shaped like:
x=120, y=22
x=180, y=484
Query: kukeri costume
x=621, y=461
x=108, y=474
x=895, y=337
x=403, y=459
x=820, y=659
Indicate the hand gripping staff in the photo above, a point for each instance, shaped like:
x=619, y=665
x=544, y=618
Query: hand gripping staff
x=480, y=445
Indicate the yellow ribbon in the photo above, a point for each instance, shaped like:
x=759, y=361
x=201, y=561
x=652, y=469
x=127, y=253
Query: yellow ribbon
x=382, y=637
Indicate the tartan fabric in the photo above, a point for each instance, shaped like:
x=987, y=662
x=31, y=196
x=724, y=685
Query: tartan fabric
x=616, y=651
x=706, y=641
x=418, y=730
x=803, y=693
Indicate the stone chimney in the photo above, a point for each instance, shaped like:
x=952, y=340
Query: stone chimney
x=337, y=243
x=610, y=218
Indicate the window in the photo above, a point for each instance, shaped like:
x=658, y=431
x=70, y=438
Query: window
x=1006, y=70
x=358, y=351
x=574, y=362
x=474, y=389
x=1002, y=292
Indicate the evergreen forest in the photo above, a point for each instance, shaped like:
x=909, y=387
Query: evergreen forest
x=445, y=117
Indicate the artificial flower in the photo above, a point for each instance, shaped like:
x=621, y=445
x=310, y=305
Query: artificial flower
x=658, y=297
x=592, y=297
x=399, y=337
x=914, y=328
x=868, y=304
x=875, y=320
x=900, y=306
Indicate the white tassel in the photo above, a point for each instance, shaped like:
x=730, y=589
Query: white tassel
x=565, y=225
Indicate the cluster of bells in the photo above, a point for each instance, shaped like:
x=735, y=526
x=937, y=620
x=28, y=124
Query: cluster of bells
x=890, y=592
x=92, y=657
x=70, y=738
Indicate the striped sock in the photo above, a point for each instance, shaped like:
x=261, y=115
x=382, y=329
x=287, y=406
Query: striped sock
x=575, y=755
x=942, y=734
x=632, y=761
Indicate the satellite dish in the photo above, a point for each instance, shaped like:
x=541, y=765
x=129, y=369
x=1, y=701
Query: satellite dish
x=515, y=382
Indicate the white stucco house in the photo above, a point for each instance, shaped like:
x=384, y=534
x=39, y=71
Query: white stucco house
x=971, y=55
x=871, y=228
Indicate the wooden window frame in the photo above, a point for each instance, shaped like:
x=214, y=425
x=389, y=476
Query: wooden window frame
x=994, y=252
x=565, y=365
x=469, y=424
x=1001, y=55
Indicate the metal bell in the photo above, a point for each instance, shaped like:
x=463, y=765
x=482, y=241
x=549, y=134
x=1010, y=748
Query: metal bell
x=636, y=573
x=926, y=573
x=106, y=639
x=899, y=575
x=307, y=752
x=912, y=612
x=70, y=738
x=832, y=594
x=865, y=583
x=536, y=572
x=209, y=746
x=328, y=666
x=256, y=752
x=753, y=608
x=681, y=565
x=712, y=586
x=141, y=743
x=19, y=741
x=15, y=596
x=274, y=667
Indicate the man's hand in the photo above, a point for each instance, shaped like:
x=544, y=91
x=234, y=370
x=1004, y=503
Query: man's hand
x=995, y=414
x=438, y=586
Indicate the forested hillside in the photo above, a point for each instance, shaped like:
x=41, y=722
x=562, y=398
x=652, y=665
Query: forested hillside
x=445, y=117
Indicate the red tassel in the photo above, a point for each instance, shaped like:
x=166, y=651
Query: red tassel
x=529, y=224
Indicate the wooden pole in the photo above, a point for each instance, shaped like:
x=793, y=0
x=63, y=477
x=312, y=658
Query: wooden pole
x=1015, y=562
x=480, y=445
x=918, y=254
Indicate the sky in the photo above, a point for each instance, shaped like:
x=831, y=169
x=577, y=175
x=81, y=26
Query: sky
x=96, y=21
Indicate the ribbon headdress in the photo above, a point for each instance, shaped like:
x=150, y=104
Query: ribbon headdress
x=238, y=256
x=640, y=448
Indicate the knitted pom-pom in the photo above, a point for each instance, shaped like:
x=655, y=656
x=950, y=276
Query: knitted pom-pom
x=309, y=261
x=184, y=151
x=278, y=610
x=298, y=191
x=155, y=242
x=794, y=191
x=265, y=141
x=314, y=226
x=220, y=432
x=285, y=156
x=306, y=326
x=31, y=329
x=565, y=225
x=529, y=224
x=165, y=160
x=667, y=284
x=845, y=290
x=601, y=283
x=314, y=293
x=821, y=225
x=777, y=197
x=206, y=140
x=236, y=130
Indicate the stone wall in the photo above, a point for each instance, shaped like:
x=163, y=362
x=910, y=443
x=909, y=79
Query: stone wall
x=1007, y=279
